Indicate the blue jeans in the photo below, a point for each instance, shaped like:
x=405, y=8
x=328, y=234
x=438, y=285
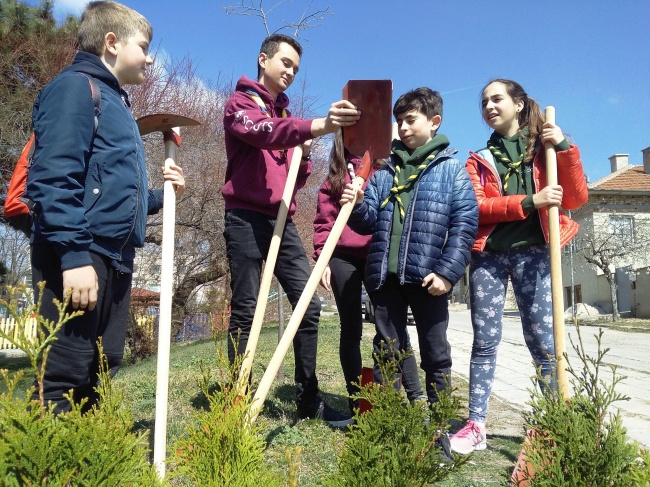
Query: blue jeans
x=73, y=361
x=346, y=281
x=431, y=315
x=529, y=272
x=248, y=237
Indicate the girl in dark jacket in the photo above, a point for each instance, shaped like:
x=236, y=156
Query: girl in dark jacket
x=344, y=275
x=509, y=179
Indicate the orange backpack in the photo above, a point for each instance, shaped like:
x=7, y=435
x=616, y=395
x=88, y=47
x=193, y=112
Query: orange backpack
x=18, y=208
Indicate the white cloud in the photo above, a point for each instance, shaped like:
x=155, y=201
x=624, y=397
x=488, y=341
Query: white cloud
x=613, y=99
x=67, y=7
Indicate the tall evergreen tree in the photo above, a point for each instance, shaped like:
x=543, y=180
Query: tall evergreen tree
x=33, y=49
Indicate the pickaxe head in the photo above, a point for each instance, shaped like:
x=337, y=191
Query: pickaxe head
x=163, y=122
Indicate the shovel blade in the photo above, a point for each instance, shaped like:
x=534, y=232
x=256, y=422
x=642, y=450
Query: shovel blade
x=373, y=132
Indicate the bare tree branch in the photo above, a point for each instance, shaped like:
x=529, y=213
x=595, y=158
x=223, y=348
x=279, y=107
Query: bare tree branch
x=308, y=20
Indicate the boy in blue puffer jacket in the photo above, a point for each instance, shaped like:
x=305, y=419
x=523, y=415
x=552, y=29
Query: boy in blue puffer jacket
x=89, y=185
x=422, y=213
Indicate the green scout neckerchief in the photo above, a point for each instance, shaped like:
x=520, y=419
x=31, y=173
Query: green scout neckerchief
x=257, y=99
x=260, y=103
x=438, y=143
x=499, y=144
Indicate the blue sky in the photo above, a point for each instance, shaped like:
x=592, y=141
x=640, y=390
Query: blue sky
x=588, y=58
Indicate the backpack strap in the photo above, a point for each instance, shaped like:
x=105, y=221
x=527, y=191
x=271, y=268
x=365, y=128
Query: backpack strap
x=96, y=93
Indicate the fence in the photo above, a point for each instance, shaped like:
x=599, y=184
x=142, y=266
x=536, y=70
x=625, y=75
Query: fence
x=194, y=327
x=8, y=327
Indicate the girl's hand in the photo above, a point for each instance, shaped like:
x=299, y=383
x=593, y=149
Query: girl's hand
x=175, y=175
x=325, y=279
x=551, y=133
x=550, y=195
x=437, y=285
x=348, y=195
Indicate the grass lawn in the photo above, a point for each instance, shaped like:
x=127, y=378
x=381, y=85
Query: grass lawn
x=318, y=442
x=636, y=325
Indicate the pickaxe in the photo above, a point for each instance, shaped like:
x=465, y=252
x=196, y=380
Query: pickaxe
x=169, y=125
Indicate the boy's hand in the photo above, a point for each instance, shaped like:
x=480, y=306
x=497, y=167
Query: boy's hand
x=438, y=284
x=550, y=195
x=551, y=133
x=326, y=279
x=348, y=195
x=306, y=148
x=341, y=114
x=175, y=175
x=82, y=282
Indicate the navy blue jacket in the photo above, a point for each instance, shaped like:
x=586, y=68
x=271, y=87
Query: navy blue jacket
x=90, y=194
x=439, y=228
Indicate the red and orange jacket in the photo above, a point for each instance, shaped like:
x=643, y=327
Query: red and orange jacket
x=494, y=207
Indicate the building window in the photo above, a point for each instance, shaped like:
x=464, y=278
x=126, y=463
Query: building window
x=571, y=247
x=577, y=295
x=622, y=229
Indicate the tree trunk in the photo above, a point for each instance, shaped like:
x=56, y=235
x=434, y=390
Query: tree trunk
x=611, y=279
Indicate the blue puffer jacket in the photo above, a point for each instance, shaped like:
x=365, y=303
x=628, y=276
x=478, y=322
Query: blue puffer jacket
x=439, y=228
x=90, y=194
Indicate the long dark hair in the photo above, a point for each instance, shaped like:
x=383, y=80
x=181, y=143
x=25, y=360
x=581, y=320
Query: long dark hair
x=530, y=116
x=339, y=165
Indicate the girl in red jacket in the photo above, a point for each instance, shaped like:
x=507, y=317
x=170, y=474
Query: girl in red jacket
x=509, y=179
x=344, y=275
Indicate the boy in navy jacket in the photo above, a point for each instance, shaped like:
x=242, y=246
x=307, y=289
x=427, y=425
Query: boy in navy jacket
x=260, y=135
x=89, y=185
x=423, y=216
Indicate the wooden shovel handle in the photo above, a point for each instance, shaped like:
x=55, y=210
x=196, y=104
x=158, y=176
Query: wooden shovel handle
x=556, y=267
x=269, y=267
x=302, y=305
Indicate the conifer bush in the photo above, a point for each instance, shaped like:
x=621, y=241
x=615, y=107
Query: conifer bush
x=395, y=444
x=219, y=447
x=582, y=441
x=38, y=447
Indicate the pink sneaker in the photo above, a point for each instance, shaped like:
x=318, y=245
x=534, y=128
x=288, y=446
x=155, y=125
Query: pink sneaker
x=470, y=438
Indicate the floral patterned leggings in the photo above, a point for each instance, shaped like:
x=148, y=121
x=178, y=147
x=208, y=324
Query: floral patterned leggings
x=529, y=272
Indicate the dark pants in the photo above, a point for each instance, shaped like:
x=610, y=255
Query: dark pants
x=73, y=361
x=346, y=280
x=431, y=316
x=248, y=237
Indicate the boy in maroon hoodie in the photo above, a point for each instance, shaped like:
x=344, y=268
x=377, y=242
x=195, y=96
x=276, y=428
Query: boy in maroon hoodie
x=260, y=135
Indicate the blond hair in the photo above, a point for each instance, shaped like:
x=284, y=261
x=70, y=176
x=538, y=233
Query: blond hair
x=102, y=17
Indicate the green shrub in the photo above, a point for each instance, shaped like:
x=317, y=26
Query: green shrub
x=38, y=447
x=220, y=448
x=395, y=444
x=580, y=441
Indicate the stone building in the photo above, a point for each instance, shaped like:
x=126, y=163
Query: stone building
x=618, y=210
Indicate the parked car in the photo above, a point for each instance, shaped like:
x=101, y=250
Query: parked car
x=367, y=309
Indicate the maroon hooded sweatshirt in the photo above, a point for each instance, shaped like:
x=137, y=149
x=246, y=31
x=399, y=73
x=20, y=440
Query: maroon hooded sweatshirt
x=259, y=146
x=351, y=242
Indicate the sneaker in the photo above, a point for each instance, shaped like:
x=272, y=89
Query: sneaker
x=321, y=410
x=470, y=438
